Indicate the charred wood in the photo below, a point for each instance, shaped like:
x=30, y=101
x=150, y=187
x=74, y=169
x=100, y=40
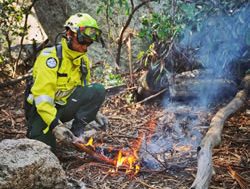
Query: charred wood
x=187, y=85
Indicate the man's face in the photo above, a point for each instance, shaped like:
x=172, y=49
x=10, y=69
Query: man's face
x=76, y=46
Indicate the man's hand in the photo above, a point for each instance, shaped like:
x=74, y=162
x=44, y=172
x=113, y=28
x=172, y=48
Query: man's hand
x=63, y=134
x=102, y=120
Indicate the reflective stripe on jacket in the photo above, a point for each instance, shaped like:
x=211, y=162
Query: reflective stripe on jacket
x=53, y=84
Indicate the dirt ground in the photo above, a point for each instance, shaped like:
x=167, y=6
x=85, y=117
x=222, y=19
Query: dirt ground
x=126, y=121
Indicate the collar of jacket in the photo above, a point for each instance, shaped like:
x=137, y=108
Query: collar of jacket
x=68, y=52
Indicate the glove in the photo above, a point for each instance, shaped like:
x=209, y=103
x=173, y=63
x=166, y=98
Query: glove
x=102, y=120
x=62, y=133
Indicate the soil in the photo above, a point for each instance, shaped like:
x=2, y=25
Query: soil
x=127, y=122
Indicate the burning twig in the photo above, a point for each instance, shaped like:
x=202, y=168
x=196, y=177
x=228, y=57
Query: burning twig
x=125, y=160
x=99, y=157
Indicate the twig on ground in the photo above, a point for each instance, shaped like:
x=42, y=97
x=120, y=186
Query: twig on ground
x=152, y=96
x=144, y=183
x=241, y=181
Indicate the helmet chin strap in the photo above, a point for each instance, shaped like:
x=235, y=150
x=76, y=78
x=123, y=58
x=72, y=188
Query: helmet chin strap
x=69, y=42
x=102, y=42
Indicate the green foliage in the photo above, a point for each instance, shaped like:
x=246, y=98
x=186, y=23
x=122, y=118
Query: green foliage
x=161, y=24
x=171, y=18
x=168, y=21
x=11, y=27
x=106, y=74
x=113, y=7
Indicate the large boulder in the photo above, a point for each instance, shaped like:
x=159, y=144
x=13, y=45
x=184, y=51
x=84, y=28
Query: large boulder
x=29, y=164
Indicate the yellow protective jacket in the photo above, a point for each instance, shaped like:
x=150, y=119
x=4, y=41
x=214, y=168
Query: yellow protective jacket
x=53, y=84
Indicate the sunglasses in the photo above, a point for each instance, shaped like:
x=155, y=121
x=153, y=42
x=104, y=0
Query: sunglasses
x=89, y=33
x=84, y=41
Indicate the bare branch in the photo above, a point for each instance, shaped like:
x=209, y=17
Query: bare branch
x=120, y=40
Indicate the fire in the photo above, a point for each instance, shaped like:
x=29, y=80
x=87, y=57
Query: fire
x=90, y=142
x=130, y=159
x=129, y=162
x=125, y=159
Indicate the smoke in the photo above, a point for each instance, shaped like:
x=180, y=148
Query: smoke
x=220, y=40
x=178, y=134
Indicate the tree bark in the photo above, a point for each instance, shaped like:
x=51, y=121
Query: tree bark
x=213, y=136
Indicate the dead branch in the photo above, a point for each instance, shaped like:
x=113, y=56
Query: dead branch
x=152, y=96
x=144, y=183
x=27, y=12
x=213, y=136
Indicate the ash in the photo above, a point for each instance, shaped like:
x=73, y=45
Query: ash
x=178, y=134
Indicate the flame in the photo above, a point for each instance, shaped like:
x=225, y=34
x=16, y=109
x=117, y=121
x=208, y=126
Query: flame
x=90, y=142
x=128, y=161
x=120, y=160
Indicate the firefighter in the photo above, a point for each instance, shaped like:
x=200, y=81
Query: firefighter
x=61, y=90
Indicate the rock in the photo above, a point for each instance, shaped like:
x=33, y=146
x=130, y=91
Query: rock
x=26, y=164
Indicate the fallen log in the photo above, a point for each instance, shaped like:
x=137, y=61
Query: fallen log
x=213, y=136
x=196, y=84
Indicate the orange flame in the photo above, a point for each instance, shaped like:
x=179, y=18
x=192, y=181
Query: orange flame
x=128, y=161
